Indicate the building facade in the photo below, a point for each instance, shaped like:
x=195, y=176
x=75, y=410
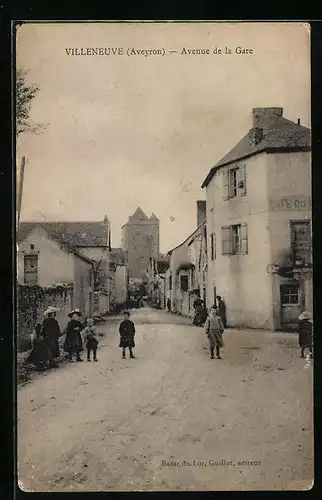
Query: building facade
x=140, y=241
x=46, y=263
x=187, y=275
x=90, y=239
x=259, y=224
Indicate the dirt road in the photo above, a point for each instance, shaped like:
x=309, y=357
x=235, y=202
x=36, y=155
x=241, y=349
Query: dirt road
x=171, y=419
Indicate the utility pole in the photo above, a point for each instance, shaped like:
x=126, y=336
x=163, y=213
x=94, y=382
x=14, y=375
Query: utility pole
x=20, y=187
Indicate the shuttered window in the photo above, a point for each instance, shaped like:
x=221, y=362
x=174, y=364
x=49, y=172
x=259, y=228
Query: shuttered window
x=234, y=239
x=31, y=269
x=234, y=182
x=242, y=180
x=213, y=246
x=225, y=182
x=226, y=240
x=243, y=239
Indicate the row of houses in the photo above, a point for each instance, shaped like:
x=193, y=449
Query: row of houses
x=74, y=259
x=252, y=244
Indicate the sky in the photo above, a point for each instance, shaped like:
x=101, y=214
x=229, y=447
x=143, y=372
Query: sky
x=123, y=131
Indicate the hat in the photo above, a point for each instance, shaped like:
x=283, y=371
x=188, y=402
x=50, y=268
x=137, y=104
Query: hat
x=50, y=310
x=305, y=315
x=74, y=311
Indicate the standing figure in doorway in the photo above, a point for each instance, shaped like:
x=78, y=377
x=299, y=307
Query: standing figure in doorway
x=127, y=332
x=222, y=310
x=169, y=305
x=198, y=307
x=214, y=329
x=73, y=341
x=305, y=333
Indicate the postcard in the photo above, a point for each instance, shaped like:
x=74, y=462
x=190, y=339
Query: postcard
x=164, y=262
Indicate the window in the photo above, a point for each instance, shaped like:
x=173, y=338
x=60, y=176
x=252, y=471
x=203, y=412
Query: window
x=32, y=247
x=213, y=246
x=234, y=239
x=301, y=241
x=31, y=269
x=184, y=283
x=234, y=182
x=289, y=294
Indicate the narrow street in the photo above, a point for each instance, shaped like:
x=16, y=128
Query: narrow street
x=171, y=419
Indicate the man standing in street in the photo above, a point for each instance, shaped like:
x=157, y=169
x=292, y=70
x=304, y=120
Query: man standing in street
x=222, y=310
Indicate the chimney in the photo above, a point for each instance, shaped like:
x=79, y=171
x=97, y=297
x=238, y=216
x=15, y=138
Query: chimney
x=201, y=212
x=298, y=121
x=262, y=116
x=256, y=135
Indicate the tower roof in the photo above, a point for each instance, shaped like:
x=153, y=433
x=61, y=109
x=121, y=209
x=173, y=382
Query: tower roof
x=139, y=214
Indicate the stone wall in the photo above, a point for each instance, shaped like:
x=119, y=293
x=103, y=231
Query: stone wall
x=32, y=301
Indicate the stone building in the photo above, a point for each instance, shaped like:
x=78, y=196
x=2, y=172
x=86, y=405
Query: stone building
x=259, y=224
x=187, y=273
x=46, y=262
x=89, y=239
x=140, y=241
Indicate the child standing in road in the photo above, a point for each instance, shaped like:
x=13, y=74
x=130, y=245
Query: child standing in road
x=127, y=332
x=90, y=338
x=214, y=329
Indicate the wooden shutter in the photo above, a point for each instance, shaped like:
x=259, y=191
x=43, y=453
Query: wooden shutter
x=242, y=180
x=243, y=239
x=226, y=240
x=225, y=182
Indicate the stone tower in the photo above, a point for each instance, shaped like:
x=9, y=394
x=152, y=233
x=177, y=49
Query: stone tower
x=140, y=240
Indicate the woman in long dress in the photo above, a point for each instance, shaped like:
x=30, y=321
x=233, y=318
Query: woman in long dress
x=73, y=344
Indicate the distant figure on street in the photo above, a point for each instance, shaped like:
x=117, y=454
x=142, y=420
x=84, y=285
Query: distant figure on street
x=222, y=310
x=127, y=332
x=204, y=314
x=305, y=333
x=198, y=306
x=169, y=305
x=90, y=338
x=50, y=331
x=214, y=329
x=73, y=341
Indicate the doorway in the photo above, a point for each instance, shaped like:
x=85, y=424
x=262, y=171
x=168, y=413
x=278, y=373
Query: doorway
x=290, y=305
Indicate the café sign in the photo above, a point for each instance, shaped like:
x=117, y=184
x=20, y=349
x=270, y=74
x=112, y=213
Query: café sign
x=290, y=203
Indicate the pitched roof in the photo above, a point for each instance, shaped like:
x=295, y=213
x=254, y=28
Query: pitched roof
x=139, y=214
x=64, y=245
x=278, y=134
x=117, y=255
x=77, y=234
x=190, y=237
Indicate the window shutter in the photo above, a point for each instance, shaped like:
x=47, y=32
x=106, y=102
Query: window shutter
x=243, y=239
x=226, y=240
x=225, y=184
x=242, y=180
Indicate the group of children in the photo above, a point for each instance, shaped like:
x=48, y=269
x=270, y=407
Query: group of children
x=76, y=333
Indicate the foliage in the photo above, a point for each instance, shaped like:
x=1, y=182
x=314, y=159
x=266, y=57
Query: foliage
x=25, y=94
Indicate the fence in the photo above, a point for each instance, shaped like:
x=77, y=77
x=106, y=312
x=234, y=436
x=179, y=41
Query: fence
x=32, y=303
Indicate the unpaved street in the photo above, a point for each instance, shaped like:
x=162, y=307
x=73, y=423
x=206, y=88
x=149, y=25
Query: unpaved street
x=171, y=418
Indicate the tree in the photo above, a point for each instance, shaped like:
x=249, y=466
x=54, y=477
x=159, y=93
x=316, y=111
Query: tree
x=25, y=93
